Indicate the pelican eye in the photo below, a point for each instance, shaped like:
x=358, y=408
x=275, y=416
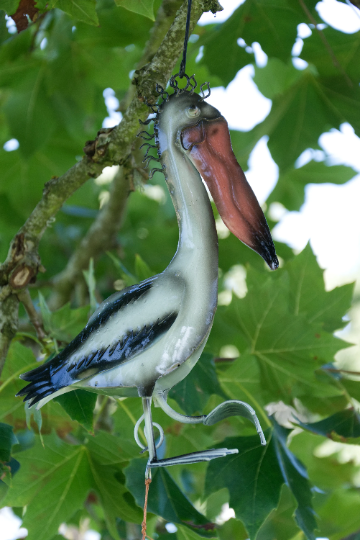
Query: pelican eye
x=192, y=112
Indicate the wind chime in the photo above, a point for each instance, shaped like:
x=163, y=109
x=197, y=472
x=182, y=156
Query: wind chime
x=149, y=336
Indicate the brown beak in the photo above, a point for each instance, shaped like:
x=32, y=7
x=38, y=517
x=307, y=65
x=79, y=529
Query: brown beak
x=209, y=146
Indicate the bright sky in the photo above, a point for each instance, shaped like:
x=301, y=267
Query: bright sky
x=330, y=217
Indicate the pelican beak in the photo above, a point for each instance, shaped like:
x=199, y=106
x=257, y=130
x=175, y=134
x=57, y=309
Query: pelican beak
x=208, y=146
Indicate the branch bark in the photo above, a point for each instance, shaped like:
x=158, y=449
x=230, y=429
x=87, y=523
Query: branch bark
x=111, y=147
x=9, y=322
x=100, y=237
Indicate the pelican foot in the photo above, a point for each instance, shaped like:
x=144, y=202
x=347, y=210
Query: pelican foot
x=235, y=408
x=232, y=407
x=194, y=457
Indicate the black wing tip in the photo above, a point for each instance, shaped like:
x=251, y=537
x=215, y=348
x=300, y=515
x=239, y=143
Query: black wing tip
x=40, y=384
x=33, y=393
x=40, y=373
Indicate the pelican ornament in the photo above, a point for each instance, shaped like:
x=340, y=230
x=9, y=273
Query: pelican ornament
x=146, y=338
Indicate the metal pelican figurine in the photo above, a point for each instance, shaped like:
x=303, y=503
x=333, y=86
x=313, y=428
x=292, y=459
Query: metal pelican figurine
x=147, y=337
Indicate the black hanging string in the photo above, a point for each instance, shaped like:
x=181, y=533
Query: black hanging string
x=187, y=29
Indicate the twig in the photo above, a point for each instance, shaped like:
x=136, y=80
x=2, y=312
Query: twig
x=143, y=525
x=35, y=319
x=333, y=370
x=9, y=321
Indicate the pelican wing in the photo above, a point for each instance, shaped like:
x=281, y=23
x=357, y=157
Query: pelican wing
x=89, y=354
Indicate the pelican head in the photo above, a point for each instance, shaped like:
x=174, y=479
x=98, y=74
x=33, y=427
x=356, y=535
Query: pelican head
x=201, y=133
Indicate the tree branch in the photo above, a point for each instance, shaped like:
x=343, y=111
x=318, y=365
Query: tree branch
x=9, y=321
x=100, y=237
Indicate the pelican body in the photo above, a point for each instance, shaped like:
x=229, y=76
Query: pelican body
x=146, y=338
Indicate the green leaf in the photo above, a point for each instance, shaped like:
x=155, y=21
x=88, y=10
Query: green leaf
x=224, y=38
x=288, y=358
x=79, y=404
x=273, y=25
x=7, y=440
x=193, y=392
x=65, y=323
x=290, y=188
x=345, y=47
x=125, y=417
x=142, y=270
x=280, y=523
x=343, y=99
x=8, y=465
x=254, y=478
x=186, y=534
x=165, y=498
x=53, y=482
x=10, y=6
x=339, y=427
x=129, y=279
x=275, y=78
x=232, y=529
x=37, y=417
x=142, y=7
x=109, y=449
x=117, y=502
x=339, y=516
x=81, y=10
x=134, y=29
x=89, y=276
x=352, y=387
x=309, y=297
x=19, y=360
x=30, y=115
x=46, y=314
x=326, y=472
x=296, y=479
x=241, y=380
x=298, y=117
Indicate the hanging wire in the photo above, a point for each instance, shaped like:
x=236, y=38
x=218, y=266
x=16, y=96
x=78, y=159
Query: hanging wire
x=187, y=29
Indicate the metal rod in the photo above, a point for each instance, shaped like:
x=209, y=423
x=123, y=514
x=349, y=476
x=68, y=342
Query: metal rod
x=149, y=434
x=187, y=29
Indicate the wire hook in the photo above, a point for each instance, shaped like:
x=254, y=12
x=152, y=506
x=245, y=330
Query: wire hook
x=136, y=434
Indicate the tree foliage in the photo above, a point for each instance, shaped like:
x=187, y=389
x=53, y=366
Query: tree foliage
x=77, y=460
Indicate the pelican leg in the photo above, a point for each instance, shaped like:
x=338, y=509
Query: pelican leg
x=194, y=457
x=222, y=411
x=149, y=434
